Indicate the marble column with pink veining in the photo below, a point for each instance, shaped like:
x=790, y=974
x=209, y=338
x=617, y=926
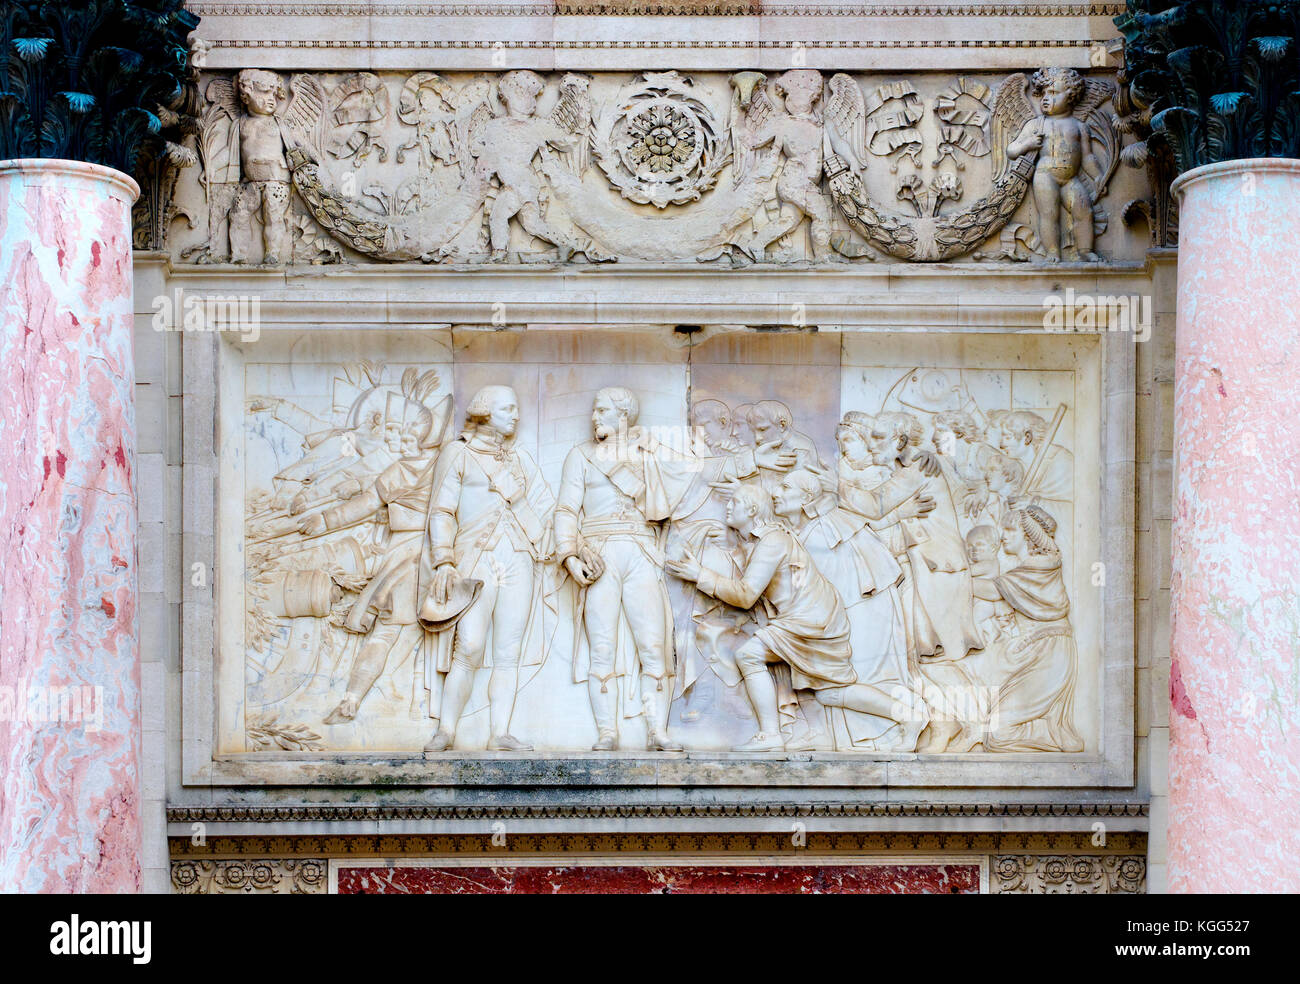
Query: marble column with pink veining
x=1234, y=758
x=69, y=658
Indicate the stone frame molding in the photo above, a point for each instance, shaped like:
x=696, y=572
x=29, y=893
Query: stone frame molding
x=880, y=299
x=1010, y=863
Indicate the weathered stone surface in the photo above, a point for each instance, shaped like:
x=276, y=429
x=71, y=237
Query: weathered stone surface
x=493, y=193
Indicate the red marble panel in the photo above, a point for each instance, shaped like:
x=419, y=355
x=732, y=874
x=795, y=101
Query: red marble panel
x=685, y=879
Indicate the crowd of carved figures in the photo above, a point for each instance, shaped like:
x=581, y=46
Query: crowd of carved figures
x=660, y=166
x=905, y=593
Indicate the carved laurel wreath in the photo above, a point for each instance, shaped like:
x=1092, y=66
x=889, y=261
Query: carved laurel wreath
x=659, y=145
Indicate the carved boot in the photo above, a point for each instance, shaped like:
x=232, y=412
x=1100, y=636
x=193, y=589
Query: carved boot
x=911, y=734
x=813, y=735
x=938, y=734
x=508, y=743
x=604, y=707
x=658, y=741
x=762, y=742
x=762, y=697
x=656, y=700
x=809, y=741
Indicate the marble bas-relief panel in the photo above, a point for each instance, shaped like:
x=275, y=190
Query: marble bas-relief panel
x=620, y=542
x=1016, y=440
x=332, y=426
x=652, y=167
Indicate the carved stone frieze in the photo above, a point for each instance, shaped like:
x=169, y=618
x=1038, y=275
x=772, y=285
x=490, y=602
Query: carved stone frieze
x=1068, y=874
x=1016, y=136
x=270, y=876
x=801, y=166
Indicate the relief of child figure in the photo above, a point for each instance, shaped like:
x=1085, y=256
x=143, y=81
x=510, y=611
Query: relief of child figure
x=264, y=190
x=1065, y=164
x=994, y=618
x=986, y=501
x=798, y=132
x=505, y=148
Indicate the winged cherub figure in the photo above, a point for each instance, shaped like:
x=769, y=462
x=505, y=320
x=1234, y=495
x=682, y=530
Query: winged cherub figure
x=1069, y=175
x=795, y=129
x=505, y=147
x=248, y=131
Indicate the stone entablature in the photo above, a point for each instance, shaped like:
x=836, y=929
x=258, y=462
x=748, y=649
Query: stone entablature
x=772, y=36
x=804, y=205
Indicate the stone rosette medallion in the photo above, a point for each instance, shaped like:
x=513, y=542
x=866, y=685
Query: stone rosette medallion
x=664, y=141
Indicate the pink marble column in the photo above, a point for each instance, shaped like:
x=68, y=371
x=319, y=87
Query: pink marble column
x=69, y=657
x=1234, y=722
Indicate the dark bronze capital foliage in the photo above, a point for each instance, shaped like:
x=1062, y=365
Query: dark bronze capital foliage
x=1211, y=80
x=101, y=81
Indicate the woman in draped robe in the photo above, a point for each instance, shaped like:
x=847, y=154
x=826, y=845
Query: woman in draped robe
x=1034, y=707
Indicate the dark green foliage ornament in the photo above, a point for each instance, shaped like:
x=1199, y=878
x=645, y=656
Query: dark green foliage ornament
x=1213, y=80
x=91, y=80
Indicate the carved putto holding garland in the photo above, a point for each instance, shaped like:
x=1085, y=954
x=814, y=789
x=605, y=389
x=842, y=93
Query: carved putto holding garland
x=800, y=166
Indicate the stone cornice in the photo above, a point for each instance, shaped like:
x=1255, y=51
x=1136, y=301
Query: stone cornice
x=606, y=44
x=370, y=813
x=880, y=296
x=650, y=8
x=594, y=35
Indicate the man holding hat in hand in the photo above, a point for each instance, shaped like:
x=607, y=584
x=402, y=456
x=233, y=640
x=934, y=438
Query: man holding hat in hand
x=482, y=573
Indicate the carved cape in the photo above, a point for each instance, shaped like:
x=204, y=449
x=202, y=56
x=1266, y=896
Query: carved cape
x=1034, y=708
x=847, y=552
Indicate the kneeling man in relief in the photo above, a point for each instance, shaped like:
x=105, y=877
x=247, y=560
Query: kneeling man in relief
x=807, y=627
